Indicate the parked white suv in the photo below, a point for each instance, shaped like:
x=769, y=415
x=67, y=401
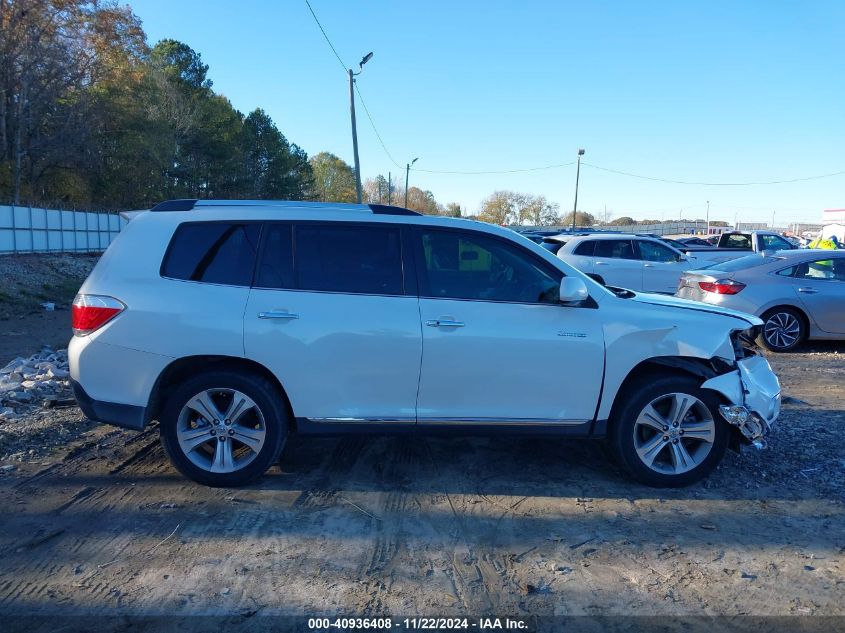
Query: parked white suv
x=235, y=324
x=635, y=262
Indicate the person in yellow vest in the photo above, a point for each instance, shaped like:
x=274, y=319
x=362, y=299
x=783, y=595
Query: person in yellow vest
x=831, y=243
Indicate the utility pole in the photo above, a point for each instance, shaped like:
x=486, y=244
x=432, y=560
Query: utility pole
x=354, y=135
x=407, y=171
x=577, y=178
x=708, y=218
x=389, y=187
x=773, y=220
x=352, y=75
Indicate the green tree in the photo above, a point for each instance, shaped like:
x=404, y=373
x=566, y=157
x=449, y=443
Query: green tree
x=582, y=218
x=273, y=169
x=499, y=208
x=453, y=210
x=421, y=201
x=537, y=211
x=334, y=180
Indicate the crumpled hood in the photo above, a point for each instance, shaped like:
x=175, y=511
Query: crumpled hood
x=686, y=304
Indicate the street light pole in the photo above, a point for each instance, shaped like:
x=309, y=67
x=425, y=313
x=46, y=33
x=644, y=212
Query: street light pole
x=389, y=187
x=352, y=75
x=577, y=178
x=708, y=218
x=407, y=170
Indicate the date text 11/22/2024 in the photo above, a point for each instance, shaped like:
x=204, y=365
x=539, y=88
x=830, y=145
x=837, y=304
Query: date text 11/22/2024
x=420, y=623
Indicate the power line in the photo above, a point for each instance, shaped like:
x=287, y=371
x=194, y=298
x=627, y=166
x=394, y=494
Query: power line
x=497, y=171
x=554, y=166
x=375, y=129
x=323, y=31
x=715, y=184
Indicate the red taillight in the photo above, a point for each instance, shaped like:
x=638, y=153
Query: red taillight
x=721, y=286
x=91, y=312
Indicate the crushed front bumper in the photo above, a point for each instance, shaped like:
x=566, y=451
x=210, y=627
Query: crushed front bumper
x=753, y=393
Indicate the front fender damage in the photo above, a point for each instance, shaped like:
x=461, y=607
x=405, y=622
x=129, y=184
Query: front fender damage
x=753, y=393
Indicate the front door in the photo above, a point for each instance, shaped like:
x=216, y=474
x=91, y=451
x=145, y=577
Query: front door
x=334, y=323
x=498, y=347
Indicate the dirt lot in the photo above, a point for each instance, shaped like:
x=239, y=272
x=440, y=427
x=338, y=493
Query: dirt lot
x=102, y=524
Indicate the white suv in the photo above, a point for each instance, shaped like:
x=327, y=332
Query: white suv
x=235, y=324
x=635, y=262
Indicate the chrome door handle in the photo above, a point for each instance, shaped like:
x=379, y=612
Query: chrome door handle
x=601, y=263
x=277, y=314
x=444, y=323
x=648, y=265
x=808, y=291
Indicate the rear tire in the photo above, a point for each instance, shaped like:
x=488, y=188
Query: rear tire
x=666, y=431
x=784, y=329
x=224, y=429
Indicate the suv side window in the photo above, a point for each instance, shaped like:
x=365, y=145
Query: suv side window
x=213, y=252
x=585, y=248
x=616, y=249
x=464, y=265
x=275, y=266
x=654, y=252
x=335, y=257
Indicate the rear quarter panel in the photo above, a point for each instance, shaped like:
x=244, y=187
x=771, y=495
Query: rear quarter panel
x=164, y=317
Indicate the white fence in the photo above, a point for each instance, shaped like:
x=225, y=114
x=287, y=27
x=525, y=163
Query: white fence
x=34, y=230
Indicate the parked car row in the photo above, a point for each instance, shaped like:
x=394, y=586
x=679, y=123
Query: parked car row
x=798, y=293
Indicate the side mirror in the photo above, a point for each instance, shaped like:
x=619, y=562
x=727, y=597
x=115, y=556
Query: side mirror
x=572, y=290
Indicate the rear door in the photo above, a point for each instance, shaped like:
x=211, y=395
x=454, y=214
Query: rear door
x=335, y=319
x=618, y=264
x=662, y=268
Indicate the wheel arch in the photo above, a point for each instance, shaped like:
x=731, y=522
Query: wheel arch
x=660, y=366
x=187, y=366
x=808, y=324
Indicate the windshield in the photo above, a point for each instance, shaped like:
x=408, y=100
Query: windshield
x=742, y=263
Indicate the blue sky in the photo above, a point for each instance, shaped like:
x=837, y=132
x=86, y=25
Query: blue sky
x=706, y=91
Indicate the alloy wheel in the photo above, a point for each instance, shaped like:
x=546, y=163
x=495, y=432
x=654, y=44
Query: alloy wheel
x=674, y=433
x=782, y=330
x=221, y=430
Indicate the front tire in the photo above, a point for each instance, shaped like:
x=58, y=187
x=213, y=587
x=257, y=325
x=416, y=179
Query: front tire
x=224, y=429
x=666, y=431
x=783, y=329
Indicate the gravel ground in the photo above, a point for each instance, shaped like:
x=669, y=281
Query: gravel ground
x=100, y=523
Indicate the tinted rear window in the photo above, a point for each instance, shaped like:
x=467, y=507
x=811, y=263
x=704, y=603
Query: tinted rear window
x=351, y=258
x=552, y=246
x=213, y=252
x=585, y=248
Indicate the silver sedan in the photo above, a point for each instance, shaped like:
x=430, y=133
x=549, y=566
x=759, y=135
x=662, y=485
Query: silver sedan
x=799, y=294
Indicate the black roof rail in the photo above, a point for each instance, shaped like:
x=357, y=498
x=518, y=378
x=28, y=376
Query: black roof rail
x=383, y=209
x=184, y=204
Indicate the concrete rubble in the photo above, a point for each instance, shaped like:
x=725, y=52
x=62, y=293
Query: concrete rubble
x=27, y=384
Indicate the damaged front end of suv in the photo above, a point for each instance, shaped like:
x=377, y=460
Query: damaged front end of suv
x=750, y=387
